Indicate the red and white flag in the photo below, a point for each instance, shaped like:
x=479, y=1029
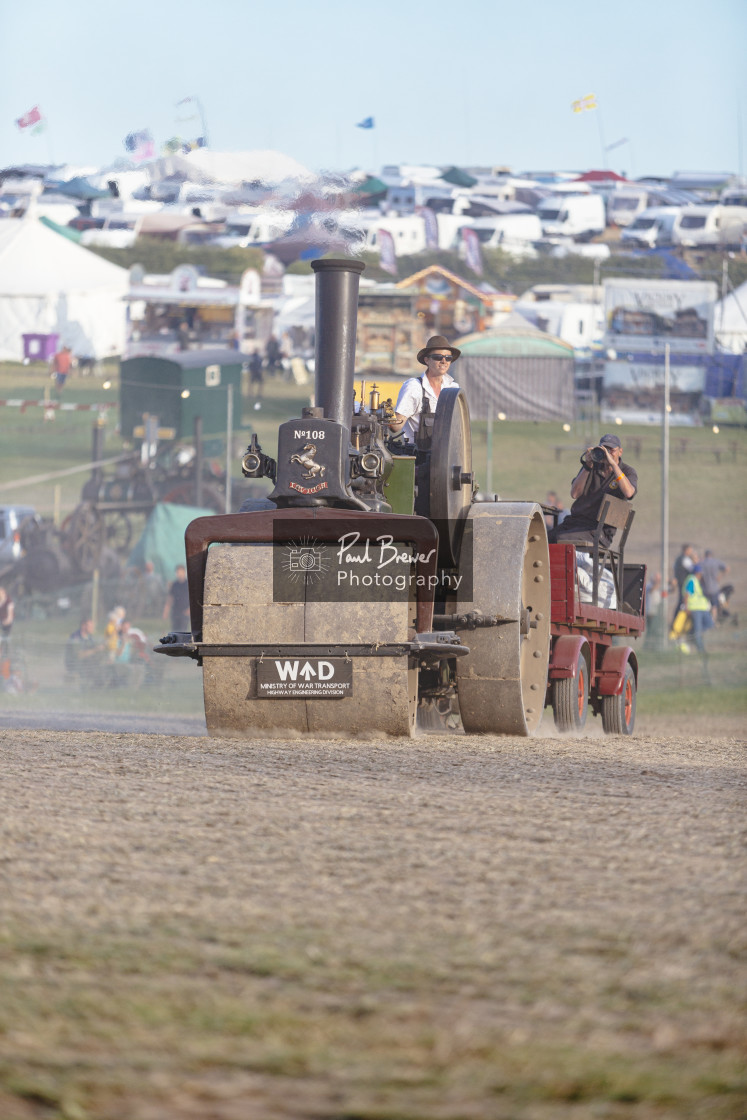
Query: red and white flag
x=28, y=119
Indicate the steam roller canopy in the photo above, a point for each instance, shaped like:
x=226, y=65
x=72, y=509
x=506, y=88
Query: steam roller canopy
x=238, y=607
x=501, y=683
x=450, y=476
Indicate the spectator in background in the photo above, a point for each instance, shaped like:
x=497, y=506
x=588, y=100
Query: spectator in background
x=114, y=621
x=256, y=376
x=698, y=607
x=62, y=363
x=683, y=566
x=273, y=354
x=85, y=656
x=7, y=614
x=177, y=602
x=713, y=569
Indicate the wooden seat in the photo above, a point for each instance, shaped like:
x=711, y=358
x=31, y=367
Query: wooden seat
x=617, y=513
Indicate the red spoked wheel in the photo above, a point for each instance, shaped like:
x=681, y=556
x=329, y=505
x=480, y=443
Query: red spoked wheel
x=570, y=699
x=618, y=712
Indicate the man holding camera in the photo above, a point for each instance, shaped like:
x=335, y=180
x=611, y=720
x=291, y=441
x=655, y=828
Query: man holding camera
x=602, y=472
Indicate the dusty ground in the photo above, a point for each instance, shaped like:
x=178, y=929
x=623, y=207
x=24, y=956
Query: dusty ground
x=444, y=927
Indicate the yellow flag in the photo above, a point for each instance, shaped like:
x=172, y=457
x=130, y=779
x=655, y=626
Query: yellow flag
x=588, y=102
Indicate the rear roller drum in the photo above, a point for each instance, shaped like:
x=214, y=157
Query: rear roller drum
x=502, y=681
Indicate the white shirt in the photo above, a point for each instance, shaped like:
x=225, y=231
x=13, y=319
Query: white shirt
x=410, y=401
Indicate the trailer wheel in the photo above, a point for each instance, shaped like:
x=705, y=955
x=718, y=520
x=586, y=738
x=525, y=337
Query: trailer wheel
x=570, y=699
x=618, y=712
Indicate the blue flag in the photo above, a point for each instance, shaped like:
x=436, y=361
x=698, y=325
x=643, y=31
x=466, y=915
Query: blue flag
x=367, y=123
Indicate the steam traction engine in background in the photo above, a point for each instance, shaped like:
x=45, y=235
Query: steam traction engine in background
x=376, y=586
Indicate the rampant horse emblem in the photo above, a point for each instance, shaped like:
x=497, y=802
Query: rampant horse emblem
x=306, y=459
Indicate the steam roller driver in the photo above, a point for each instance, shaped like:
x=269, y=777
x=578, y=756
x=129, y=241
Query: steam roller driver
x=602, y=472
x=420, y=395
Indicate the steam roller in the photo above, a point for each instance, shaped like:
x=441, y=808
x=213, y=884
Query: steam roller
x=375, y=589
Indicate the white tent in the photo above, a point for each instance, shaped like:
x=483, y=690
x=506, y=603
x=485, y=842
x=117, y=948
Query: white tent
x=50, y=285
x=203, y=165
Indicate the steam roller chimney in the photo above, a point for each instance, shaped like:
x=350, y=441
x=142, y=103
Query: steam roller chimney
x=334, y=352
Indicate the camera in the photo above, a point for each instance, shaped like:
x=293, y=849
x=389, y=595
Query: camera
x=304, y=560
x=598, y=455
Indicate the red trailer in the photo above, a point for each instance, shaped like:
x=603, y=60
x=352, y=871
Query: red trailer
x=591, y=664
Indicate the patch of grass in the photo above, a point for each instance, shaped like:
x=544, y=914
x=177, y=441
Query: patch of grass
x=101, y=1021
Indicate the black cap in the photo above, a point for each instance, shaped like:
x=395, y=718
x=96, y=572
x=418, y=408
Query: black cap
x=610, y=441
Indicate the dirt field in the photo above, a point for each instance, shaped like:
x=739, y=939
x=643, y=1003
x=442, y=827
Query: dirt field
x=444, y=927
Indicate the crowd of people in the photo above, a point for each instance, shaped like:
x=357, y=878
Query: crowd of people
x=113, y=661
x=702, y=597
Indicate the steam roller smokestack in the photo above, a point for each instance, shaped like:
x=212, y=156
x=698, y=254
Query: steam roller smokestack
x=334, y=353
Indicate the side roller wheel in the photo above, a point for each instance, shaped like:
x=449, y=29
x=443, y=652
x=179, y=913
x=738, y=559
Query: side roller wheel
x=239, y=607
x=450, y=478
x=618, y=712
x=570, y=699
x=502, y=681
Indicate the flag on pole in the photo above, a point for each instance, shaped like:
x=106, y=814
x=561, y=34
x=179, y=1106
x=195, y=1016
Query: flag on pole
x=431, y=226
x=33, y=120
x=387, y=252
x=367, y=123
x=588, y=102
x=472, y=253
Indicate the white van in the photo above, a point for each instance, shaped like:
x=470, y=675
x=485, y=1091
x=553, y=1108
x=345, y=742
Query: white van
x=653, y=228
x=513, y=233
x=580, y=216
x=408, y=234
x=711, y=227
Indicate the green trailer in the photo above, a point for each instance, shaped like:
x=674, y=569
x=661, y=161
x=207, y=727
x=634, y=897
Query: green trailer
x=179, y=388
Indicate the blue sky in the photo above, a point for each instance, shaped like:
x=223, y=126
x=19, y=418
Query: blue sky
x=475, y=82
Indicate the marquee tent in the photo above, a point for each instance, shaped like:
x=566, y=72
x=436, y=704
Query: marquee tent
x=517, y=370
x=49, y=285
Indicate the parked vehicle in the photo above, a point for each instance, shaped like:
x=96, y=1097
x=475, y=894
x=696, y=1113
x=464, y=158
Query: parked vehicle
x=245, y=231
x=624, y=206
x=735, y=196
x=580, y=216
x=117, y=232
x=653, y=228
x=710, y=227
x=514, y=233
x=408, y=234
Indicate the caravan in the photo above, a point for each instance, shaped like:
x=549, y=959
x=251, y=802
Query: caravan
x=653, y=228
x=624, y=205
x=712, y=227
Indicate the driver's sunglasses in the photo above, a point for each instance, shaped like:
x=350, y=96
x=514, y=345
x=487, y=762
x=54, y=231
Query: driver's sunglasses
x=441, y=357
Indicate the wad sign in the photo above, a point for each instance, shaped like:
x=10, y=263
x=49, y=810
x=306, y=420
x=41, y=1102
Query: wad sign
x=299, y=678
